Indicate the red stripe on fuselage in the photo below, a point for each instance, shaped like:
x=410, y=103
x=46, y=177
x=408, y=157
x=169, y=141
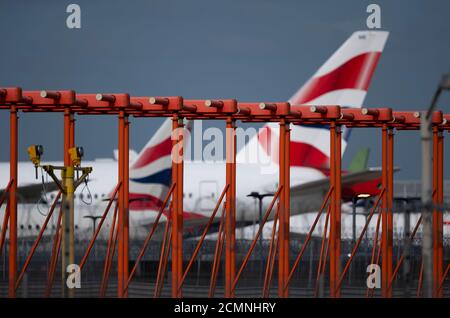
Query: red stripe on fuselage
x=140, y=201
x=146, y=202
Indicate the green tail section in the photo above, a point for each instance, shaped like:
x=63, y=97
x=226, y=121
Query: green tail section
x=359, y=161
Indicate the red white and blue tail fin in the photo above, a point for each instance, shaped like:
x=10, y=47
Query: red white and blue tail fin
x=343, y=80
x=150, y=173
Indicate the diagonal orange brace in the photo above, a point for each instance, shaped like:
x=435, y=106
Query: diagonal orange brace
x=369, y=218
x=149, y=237
x=5, y=216
x=6, y=192
x=252, y=246
x=444, y=276
x=54, y=256
x=217, y=254
x=110, y=250
x=37, y=241
x=272, y=255
x=321, y=266
x=374, y=249
x=202, y=238
x=165, y=249
x=97, y=230
x=402, y=258
x=309, y=236
x=4, y=228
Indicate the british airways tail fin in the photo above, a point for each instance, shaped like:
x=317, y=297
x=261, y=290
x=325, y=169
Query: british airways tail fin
x=150, y=173
x=343, y=80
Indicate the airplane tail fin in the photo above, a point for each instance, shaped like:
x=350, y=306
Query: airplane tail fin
x=342, y=80
x=150, y=173
x=360, y=160
x=345, y=77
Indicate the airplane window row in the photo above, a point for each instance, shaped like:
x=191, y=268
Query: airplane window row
x=81, y=196
x=38, y=227
x=96, y=196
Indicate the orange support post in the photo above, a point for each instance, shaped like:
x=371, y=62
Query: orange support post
x=180, y=189
x=233, y=204
x=441, y=205
x=126, y=201
x=384, y=174
x=284, y=213
x=177, y=205
x=13, y=203
x=335, y=213
x=338, y=193
x=281, y=205
x=174, y=212
x=230, y=203
x=387, y=217
x=331, y=240
x=438, y=184
x=121, y=210
x=390, y=213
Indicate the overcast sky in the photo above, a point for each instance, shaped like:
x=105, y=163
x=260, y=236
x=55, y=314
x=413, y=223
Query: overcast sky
x=252, y=50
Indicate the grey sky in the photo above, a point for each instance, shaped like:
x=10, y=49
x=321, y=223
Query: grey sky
x=252, y=50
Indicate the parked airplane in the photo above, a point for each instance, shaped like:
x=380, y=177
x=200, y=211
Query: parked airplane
x=343, y=80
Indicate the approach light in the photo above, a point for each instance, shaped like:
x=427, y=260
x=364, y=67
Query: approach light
x=35, y=152
x=76, y=154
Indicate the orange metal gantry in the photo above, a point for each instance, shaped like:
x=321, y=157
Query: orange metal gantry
x=387, y=120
